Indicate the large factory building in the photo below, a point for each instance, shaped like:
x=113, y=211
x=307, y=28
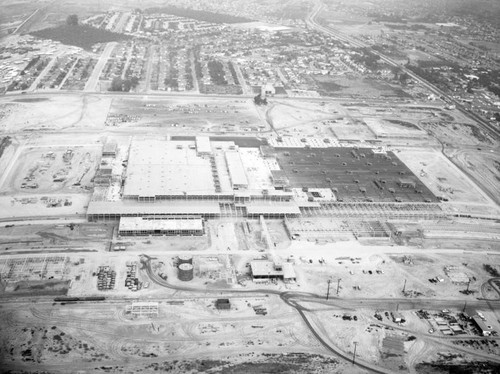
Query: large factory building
x=167, y=180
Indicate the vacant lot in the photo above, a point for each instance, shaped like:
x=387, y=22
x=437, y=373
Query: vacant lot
x=441, y=176
x=185, y=115
x=357, y=88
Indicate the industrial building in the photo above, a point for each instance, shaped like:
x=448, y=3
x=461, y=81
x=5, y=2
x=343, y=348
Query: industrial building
x=266, y=269
x=159, y=170
x=205, y=178
x=483, y=328
x=137, y=226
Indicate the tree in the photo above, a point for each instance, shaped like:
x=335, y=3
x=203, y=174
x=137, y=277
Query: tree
x=72, y=20
x=116, y=84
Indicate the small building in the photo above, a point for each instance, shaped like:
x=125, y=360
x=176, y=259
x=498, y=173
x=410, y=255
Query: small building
x=103, y=177
x=397, y=317
x=222, y=304
x=280, y=180
x=407, y=183
x=109, y=150
x=483, y=328
x=149, y=309
x=457, y=330
x=268, y=90
x=265, y=269
x=203, y=145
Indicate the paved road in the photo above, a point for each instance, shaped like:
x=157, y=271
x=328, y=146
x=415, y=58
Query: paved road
x=294, y=298
x=19, y=28
x=96, y=73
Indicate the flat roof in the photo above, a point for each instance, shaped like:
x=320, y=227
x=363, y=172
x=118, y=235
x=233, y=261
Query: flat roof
x=236, y=169
x=110, y=147
x=162, y=168
x=264, y=268
x=147, y=304
x=203, y=144
x=127, y=207
x=480, y=323
x=142, y=224
x=355, y=174
x=273, y=208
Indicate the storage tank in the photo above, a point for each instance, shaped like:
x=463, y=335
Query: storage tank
x=185, y=259
x=185, y=272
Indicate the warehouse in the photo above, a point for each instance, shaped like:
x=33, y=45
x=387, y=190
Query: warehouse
x=142, y=226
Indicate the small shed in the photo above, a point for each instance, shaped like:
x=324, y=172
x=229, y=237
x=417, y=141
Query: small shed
x=223, y=304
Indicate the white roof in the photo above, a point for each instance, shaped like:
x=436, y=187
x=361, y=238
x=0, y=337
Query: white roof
x=145, y=304
x=273, y=208
x=139, y=223
x=161, y=168
x=203, y=144
x=236, y=169
x=266, y=268
x=125, y=207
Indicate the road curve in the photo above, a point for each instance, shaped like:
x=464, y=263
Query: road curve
x=285, y=296
x=291, y=298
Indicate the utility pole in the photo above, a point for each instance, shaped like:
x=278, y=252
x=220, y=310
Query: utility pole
x=328, y=289
x=404, y=287
x=354, y=355
x=338, y=286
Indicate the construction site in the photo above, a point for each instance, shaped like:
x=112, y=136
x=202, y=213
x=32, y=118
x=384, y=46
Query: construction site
x=277, y=222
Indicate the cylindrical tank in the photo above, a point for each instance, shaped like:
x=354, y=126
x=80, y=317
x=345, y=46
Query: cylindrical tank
x=186, y=272
x=185, y=259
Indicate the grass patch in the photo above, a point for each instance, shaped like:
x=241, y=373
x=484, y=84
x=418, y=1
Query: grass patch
x=491, y=270
x=41, y=287
x=80, y=36
x=4, y=143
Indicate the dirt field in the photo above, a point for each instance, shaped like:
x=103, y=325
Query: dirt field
x=348, y=130
x=350, y=23
x=457, y=133
x=186, y=115
x=389, y=128
x=484, y=166
x=46, y=334
x=285, y=115
x=53, y=169
x=441, y=176
x=55, y=113
x=359, y=88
